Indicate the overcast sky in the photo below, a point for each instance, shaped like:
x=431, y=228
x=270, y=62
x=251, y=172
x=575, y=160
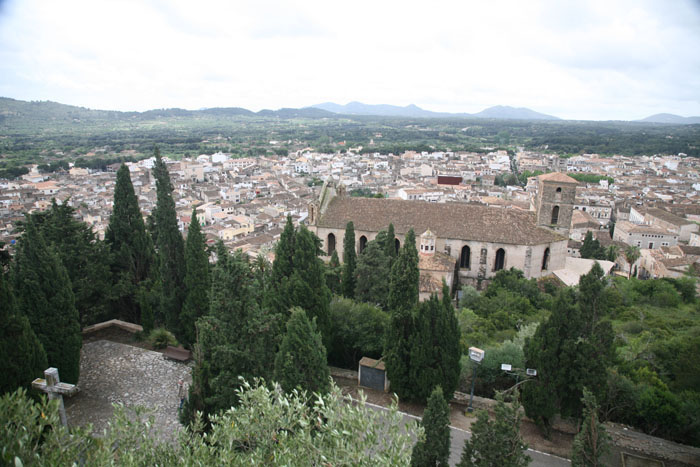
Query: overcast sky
x=577, y=60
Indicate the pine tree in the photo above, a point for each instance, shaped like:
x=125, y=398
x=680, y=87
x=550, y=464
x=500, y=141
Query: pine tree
x=307, y=286
x=82, y=254
x=403, y=297
x=591, y=248
x=171, y=250
x=349, y=261
x=45, y=296
x=132, y=254
x=592, y=442
x=496, y=442
x=434, y=450
x=197, y=283
x=333, y=272
x=301, y=360
x=372, y=270
x=22, y=357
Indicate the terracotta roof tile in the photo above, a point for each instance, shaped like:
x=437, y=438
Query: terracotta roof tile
x=557, y=177
x=446, y=220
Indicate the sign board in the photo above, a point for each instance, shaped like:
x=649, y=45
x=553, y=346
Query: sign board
x=506, y=367
x=476, y=354
x=531, y=372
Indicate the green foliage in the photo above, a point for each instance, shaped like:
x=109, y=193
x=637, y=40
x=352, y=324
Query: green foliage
x=591, y=249
x=197, y=283
x=358, y=331
x=590, y=178
x=84, y=257
x=373, y=267
x=301, y=360
x=403, y=285
x=131, y=248
x=570, y=350
x=22, y=357
x=333, y=272
x=434, y=450
x=496, y=442
x=171, y=249
x=632, y=254
x=161, y=338
x=236, y=338
x=349, y=261
x=45, y=296
x=591, y=442
x=282, y=268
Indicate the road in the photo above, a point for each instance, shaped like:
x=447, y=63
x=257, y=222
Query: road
x=458, y=436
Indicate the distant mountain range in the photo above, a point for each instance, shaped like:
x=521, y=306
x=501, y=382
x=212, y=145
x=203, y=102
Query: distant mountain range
x=413, y=111
x=53, y=111
x=670, y=118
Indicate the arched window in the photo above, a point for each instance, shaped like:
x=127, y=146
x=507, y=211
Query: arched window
x=331, y=244
x=397, y=245
x=500, y=259
x=363, y=243
x=465, y=258
x=545, y=259
x=555, y=215
x=558, y=189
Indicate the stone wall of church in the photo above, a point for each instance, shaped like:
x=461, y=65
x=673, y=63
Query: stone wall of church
x=482, y=262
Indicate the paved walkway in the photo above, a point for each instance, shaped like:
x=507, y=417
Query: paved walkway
x=118, y=373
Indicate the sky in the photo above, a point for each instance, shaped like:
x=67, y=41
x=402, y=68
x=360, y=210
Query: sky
x=592, y=60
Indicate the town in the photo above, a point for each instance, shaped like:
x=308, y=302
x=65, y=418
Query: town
x=649, y=202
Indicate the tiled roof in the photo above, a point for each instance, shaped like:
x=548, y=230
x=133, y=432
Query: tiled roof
x=446, y=220
x=557, y=177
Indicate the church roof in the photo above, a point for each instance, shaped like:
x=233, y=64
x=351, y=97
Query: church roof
x=446, y=220
x=557, y=177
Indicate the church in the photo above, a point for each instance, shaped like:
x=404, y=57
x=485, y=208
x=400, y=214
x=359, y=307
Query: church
x=462, y=243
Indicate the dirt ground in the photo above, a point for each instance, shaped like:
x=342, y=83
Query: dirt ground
x=559, y=444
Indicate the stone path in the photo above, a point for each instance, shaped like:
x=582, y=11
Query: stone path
x=118, y=373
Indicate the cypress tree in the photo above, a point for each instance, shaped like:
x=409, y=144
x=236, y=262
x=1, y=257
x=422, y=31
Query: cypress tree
x=497, y=441
x=132, y=254
x=333, y=272
x=236, y=338
x=434, y=450
x=435, y=352
x=196, y=280
x=301, y=360
x=307, y=285
x=22, y=357
x=390, y=245
x=403, y=297
x=282, y=267
x=46, y=298
x=349, y=261
x=372, y=270
x=403, y=285
x=171, y=251
x=592, y=442
x=84, y=257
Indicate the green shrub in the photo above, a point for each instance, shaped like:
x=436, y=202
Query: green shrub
x=160, y=338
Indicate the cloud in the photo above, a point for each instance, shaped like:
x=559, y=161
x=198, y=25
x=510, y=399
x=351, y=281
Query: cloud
x=576, y=60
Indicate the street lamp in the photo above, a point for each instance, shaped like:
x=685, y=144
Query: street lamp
x=476, y=355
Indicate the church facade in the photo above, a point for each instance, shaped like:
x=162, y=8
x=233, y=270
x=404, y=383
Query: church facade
x=481, y=240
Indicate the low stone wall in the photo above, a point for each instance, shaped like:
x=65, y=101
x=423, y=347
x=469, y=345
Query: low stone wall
x=130, y=327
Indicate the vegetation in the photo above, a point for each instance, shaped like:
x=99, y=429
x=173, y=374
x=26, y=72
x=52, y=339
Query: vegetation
x=497, y=441
x=590, y=178
x=591, y=442
x=267, y=427
x=301, y=360
x=45, y=296
x=434, y=450
x=161, y=338
x=197, y=281
x=349, y=278
x=358, y=331
x=170, y=249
